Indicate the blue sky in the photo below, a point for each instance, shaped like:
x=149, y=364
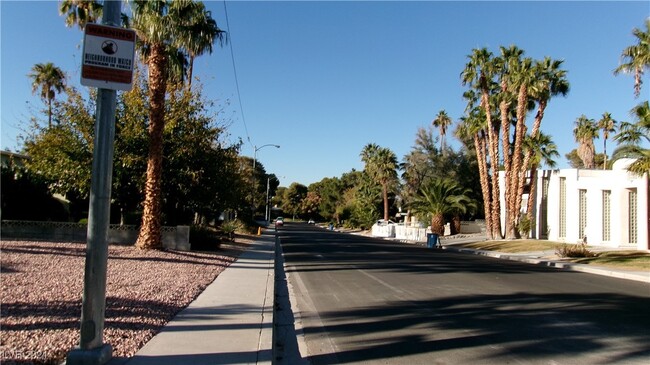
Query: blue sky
x=323, y=79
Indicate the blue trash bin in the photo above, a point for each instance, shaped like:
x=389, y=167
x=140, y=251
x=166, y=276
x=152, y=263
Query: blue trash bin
x=432, y=240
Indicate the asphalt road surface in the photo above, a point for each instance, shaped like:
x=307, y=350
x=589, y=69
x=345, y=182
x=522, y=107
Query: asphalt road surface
x=362, y=300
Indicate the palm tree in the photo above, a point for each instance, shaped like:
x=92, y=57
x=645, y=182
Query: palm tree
x=504, y=64
x=442, y=121
x=381, y=165
x=50, y=80
x=523, y=79
x=472, y=127
x=162, y=34
x=80, y=12
x=202, y=35
x=541, y=149
x=636, y=58
x=585, y=131
x=478, y=73
x=631, y=135
x=608, y=125
x=438, y=198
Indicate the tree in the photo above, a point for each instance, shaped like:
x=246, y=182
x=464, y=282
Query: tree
x=608, y=125
x=636, y=58
x=62, y=154
x=203, y=33
x=381, y=165
x=478, y=73
x=442, y=121
x=542, y=150
x=438, y=198
x=522, y=76
x=80, y=12
x=50, y=80
x=162, y=33
x=472, y=127
x=576, y=162
x=631, y=135
x=585, y=131
x=293, y=198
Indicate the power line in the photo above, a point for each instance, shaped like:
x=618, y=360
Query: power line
x=234, y=69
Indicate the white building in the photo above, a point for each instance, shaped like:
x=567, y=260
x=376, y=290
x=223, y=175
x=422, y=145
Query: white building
x=605, y=207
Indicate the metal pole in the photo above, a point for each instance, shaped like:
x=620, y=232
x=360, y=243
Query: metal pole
x=266, y=209
x=91, y=349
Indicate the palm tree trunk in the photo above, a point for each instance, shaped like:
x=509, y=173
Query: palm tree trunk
x=605, y=153
x=479, y=145
x=49, y=112
x=150, y=232
x=384, y=187
x=518, y=174
x=532, y=196
x=190, y=71
x=455, y=224
x=438, y=224
x=493, y=151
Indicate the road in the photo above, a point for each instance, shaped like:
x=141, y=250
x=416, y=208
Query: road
x=361, y=300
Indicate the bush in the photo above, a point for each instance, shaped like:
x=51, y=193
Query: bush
x=204, y=238
x=577, y=250
x=230, y=227
x=525, y=225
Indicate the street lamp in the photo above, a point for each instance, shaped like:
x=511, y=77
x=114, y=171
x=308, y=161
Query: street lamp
x=254, y=166
x=259, y=148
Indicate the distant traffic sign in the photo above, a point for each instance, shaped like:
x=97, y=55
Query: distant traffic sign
x=108, y=54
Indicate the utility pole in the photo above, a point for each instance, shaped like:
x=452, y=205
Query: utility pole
x=91, y=348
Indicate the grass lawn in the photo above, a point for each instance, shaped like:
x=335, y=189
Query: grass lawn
x=632, y=260
x=514, y=246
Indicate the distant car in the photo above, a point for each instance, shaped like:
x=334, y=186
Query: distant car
x=311, y=221
x=279, y=222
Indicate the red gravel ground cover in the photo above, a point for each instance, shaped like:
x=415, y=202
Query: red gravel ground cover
x=42, y=286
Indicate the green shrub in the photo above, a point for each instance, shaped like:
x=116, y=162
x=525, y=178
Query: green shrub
x=524, y=226
x=577, y=250
x=229, y=228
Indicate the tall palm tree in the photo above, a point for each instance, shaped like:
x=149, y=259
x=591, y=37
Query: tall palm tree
x=381, y=165
x=636, y=58
x=80, y=12
x=542, y=150
x=523, y=78
x=49, y=79
x=504, y=64
x=472, y=127
x=203, y=33
x=438, y=198
x=608, y=125
x=478, y=73
x=162, y=34
x=585, y=131
x=631, y=135
x=442, y=121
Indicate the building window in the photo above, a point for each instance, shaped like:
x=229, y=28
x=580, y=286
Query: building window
x=606, y=224
x=562, y=233
x=544, y=207
x=633, y=214
x=582, y=215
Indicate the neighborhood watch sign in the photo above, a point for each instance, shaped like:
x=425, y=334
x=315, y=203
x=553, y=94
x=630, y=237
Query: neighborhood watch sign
x=108, y=57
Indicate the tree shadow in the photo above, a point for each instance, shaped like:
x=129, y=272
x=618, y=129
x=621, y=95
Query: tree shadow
x=525, y=325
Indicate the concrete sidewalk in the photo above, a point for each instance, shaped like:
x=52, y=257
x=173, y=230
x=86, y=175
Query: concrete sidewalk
x=231, y=322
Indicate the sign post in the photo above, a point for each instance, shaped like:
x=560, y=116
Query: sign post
x=104, y=65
